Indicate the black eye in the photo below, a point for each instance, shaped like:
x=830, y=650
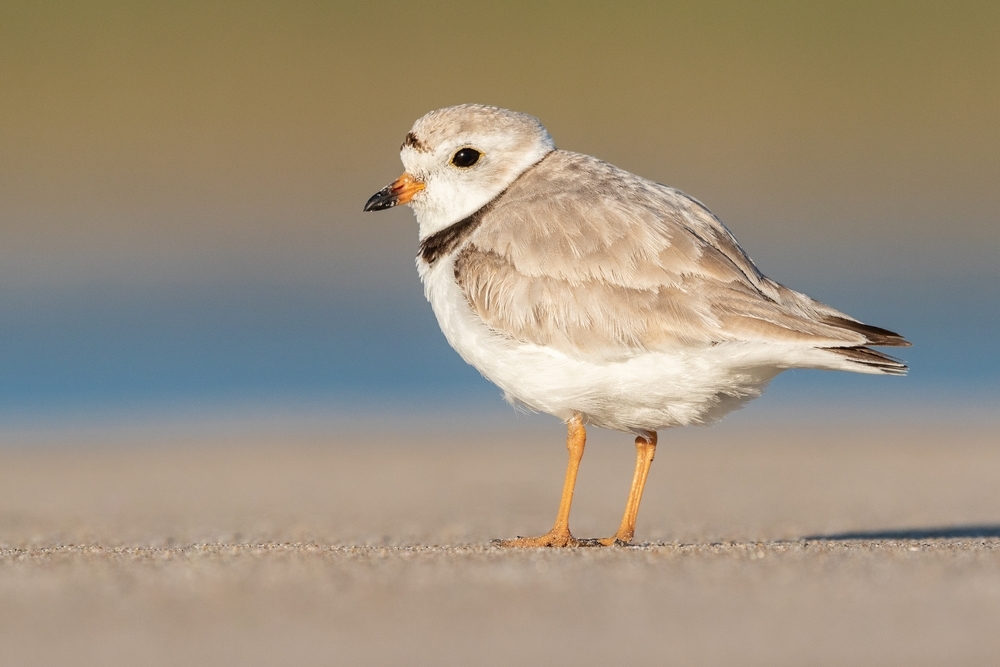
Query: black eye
x=466, y=157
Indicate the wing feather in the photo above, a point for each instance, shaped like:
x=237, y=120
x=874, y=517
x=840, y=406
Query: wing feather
x=592, y=260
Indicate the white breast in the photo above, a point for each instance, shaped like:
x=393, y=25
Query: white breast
x=647, y=392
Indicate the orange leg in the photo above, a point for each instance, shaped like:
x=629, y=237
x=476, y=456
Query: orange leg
x=559, y=536
x=645, y=449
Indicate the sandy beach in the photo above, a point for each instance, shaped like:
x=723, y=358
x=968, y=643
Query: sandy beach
x=846, y=544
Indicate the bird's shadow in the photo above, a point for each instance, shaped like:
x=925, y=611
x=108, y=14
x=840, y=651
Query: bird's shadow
x=972, y=531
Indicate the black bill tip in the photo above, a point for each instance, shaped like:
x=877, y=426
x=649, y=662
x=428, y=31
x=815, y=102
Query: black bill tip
x=381, y=200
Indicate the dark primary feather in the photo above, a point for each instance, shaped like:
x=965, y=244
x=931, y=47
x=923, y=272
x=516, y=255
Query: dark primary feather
x=875, y=335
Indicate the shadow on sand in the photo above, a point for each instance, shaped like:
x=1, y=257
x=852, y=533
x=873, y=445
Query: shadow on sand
x=940, y=533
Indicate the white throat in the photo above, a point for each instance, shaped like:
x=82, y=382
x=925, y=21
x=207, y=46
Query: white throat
x=448, y=199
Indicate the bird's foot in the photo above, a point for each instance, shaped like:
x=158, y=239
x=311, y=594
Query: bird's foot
x=553, y=538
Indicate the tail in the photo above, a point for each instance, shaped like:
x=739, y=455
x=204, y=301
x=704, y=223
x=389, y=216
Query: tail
x=863, y=359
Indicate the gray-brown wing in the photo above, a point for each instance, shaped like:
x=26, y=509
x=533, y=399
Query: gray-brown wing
x=592, y=260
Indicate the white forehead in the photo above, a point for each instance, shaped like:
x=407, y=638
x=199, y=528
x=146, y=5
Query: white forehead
x=472, y=123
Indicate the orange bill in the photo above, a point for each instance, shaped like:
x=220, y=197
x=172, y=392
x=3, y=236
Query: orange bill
x=400, y=191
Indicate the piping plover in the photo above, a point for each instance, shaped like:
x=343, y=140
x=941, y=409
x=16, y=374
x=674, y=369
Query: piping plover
x=598, y=296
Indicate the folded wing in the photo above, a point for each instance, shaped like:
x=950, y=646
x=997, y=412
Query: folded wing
x=591, y=260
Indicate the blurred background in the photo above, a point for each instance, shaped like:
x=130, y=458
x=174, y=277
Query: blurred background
x=181, y=183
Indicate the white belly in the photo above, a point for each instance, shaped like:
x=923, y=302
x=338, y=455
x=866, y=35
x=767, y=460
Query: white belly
x=647, y=392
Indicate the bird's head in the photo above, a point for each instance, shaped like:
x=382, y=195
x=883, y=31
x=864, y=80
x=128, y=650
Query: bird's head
x=459, y=158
